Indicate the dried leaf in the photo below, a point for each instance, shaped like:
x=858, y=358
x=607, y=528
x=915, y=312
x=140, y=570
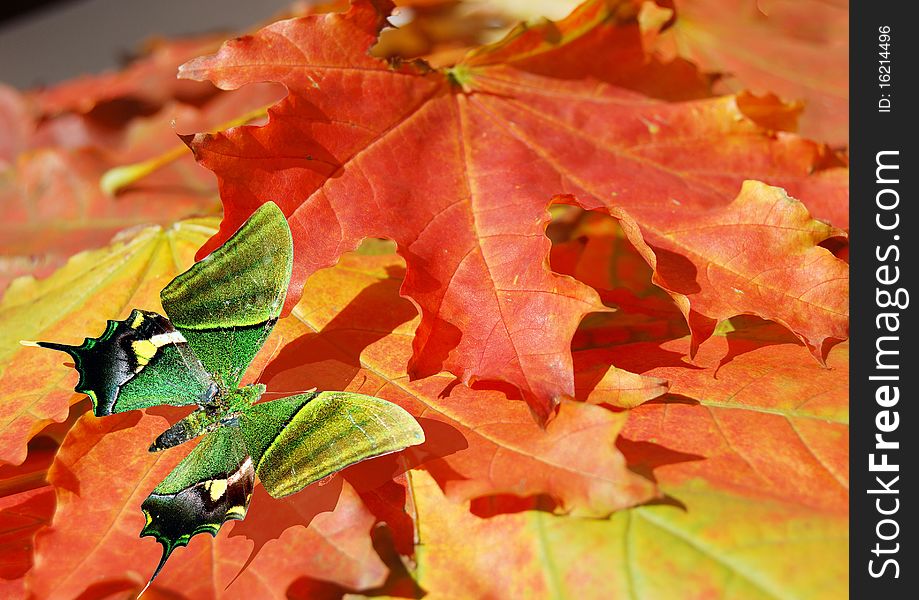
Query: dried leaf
x=751, y=451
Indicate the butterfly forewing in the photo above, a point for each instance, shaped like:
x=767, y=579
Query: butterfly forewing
x=297, y=440
x=226, y=304
x=139, y=362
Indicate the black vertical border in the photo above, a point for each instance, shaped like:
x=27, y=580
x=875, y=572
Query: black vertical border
x=872, y=131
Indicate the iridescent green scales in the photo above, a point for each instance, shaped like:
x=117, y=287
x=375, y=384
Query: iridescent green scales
x=220, y=312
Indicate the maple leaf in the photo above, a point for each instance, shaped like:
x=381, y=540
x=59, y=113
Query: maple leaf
x=600, y=40
x=52, y=203
x=148, y=80
x=457, y=166
x=21, y=515
x=796, y=49
x=25, y=128
x=98, y=110
x=751, y=450
x=718, y=541
x=60, y=168
x=73, y=191
x=52, y=208
x=442, y=33
x=26, y=505
x=768, y=424
x=591, y=247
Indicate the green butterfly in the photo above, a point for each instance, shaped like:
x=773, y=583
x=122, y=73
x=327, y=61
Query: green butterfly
x=220, y=312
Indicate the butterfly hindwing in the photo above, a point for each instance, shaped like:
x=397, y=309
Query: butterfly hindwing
x=227, y=303
x=297, y=440
x=138, y=362
x=211, y=486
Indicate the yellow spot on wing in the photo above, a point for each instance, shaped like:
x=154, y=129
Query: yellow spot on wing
x=144, y=350
x=137, y=321
x=216, y=487
x=237, y=510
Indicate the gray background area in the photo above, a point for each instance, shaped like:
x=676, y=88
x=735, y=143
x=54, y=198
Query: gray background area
x=89, y=36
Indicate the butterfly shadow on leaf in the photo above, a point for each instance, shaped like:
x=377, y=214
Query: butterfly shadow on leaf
x=644, y=457
x=276, y=515
x=330, y=360
x=399, y=583
x=751, y=333
x=379, y=482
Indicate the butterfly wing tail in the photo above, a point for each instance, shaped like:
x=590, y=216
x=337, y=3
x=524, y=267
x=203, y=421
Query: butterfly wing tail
x=167, y=550
x=52, y=345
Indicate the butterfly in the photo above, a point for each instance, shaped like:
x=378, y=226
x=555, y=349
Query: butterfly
x=218, y=315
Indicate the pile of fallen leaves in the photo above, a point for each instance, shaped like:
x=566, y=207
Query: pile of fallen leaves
x=599, y=259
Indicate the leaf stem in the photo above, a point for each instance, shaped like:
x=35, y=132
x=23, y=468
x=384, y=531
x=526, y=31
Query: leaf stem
x=113, y=180
x=460, y=75
x=117, y=178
